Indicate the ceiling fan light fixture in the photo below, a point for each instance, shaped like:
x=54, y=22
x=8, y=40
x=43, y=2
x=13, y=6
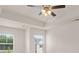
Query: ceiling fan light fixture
x=48, y=9
x=46, y=12
x=49, y=12
x=43, y=11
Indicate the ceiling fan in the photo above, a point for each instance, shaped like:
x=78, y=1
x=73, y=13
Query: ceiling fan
x=48, y=9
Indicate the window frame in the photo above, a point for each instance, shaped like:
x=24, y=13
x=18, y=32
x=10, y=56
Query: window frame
x=7, y=43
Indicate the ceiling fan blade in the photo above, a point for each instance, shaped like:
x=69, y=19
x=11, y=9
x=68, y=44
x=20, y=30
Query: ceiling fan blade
x=31, y=5
x=58, y=6
x=53, y=14
x=75, y=20
x=40, y=13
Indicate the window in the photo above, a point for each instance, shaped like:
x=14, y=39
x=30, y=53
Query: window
x=38, y=43
x=6, y=42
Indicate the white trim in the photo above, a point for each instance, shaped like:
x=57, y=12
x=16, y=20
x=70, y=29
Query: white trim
x=7, y=43
x=10, y=23
x=16, y=24
x=26, y=27
x=27, y=40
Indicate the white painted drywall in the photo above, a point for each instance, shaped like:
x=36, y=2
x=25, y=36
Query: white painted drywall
x=19, y=38
x=64, y=38
x=15, y=27
x=20, y=18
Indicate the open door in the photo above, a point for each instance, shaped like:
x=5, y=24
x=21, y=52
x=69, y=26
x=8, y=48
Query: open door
x=37, y=41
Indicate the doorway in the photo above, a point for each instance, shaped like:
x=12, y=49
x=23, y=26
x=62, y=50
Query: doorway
x=37, y=41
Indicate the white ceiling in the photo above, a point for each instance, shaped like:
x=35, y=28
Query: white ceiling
x=71, y=11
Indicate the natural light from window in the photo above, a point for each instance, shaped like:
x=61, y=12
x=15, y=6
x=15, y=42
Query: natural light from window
x=6, y=42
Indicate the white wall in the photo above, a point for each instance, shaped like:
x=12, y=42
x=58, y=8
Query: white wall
x=21, y=31
x=64, y=38
x=19, y=38
x=7, y=14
